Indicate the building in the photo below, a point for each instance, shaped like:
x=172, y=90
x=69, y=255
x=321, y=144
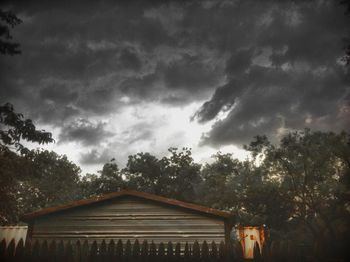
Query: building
x=130, y=215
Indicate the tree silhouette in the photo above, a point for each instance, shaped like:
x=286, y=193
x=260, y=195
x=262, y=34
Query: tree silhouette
x=8, y=20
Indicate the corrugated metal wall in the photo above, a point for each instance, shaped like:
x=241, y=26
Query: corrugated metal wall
x=13, y=232
x=130, y=218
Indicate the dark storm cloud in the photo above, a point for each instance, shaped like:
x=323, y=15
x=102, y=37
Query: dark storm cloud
x=189, y=73
x=299, y=80
x=130, y=60
x=85, y=132
x=261, y=66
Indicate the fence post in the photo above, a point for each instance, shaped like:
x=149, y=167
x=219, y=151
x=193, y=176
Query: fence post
x=256, y=253
x=19, y=254
x=68, y=254
x=77, y=251
x=35, y=251
x=102, y=254
x=2, y=250
x=177, y=256
x=10, y=251
x=93, y=252
x=213, y=252
x=84, y=255
x=196, y=255
x=27, y=250
x=128, y=251
x=136, y=251
x=161, y=252
x=187, y=252
x=111, y=251
x=52, y=250
x=60, y=251
x=119, y=251
x=144, y=251
x=222, y=253
x=205, y=252
x=44, y=251
x=152, y=252
x=170, y=252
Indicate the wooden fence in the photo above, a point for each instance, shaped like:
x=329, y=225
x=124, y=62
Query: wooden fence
x=57, y=251
x=113, y=251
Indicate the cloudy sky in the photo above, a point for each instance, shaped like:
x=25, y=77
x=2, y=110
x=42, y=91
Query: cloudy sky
x=113, y=78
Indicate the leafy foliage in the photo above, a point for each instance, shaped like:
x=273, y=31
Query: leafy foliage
x=8, y=20
x=14, y=129
x=109, y=180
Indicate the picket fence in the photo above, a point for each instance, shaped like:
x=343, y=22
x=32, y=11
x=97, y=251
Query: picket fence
x=115, y=251
x=134, y=251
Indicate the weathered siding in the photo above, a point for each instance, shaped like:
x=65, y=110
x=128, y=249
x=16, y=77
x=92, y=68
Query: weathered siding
x=130, y=218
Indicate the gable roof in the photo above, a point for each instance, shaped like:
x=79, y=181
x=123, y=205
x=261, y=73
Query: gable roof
x=172, y=202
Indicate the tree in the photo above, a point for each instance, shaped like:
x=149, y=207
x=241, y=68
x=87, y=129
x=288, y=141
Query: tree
x=109, y=180
x=53, y=181
x=242, y=187
x=310, y=168
x=13, y=130
x=143, y=172
x=175, y=176
x=182, y=174
x=8, y=20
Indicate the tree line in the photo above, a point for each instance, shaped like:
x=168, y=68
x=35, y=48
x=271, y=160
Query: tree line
x=298, y=188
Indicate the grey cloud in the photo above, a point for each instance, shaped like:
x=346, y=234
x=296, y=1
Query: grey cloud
x=272, y=99
x=85, y=132
x=189, y=73
x=58, y=93
x=130, y=60
x=93, y=157
x=268, y=65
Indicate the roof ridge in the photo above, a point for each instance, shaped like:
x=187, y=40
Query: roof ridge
x=153, y=197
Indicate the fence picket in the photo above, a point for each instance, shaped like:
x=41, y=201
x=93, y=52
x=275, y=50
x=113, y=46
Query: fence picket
x=60, y=251
x=68, y=254
x=128, y=251
x=111, y=251
x=84, y=255
x=136, y=251
x=103, y=252
x=77, y=251
x=177, y=256
x=119, y=251
x=144, y=251
x=170, y=252
x=19, y=254
x=44, y=252
x=256, y=252
x=205, y=252
x=196, y=252
x=2, y=249
x=187, y=252
x=35, y=251
x=161, y=252
x=213, y=252
x=10, y=252
x=152, y=252
x=93, y=252
x=222, y=251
